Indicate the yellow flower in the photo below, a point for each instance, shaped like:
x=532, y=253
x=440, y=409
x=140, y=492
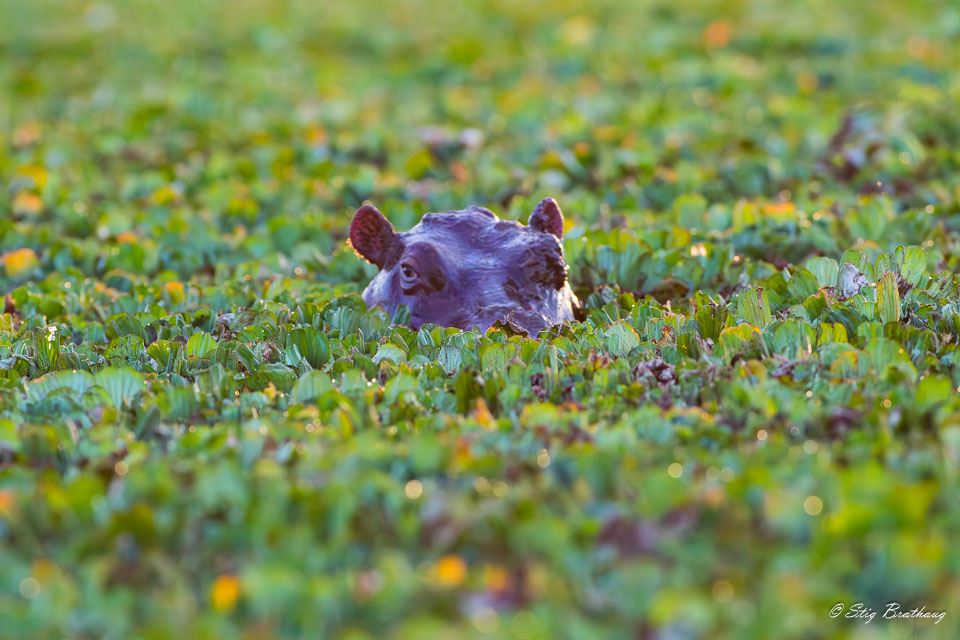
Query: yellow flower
x=36, y=173
x=174, y=291
x=270, y=391
x=164, y=195
x=44, y=570
x=578, y=30
x=449, y=571
x=224, y=593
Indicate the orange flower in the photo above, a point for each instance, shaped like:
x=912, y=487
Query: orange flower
x=717, y=34
x=20, y=261
x=483, y=416
x=6, y=500
x=779, y=208
x=496, y=578
x=27, y=202
x=807, y=81
x=26, y=135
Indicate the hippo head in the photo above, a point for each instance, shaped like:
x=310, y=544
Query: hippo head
x=469, y=268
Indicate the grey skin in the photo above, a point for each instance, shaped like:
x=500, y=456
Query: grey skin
x=469, y=268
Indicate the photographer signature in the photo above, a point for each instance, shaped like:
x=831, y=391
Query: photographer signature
x=893, y=611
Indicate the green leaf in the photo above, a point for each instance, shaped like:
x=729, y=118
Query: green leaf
x=180, y=403
x=167, y=354
x=201, y=345
x=911, y=264
x=310, y=385
x=739, y=338
x=934, y=391
x=121, y=384
x=125, y=351
x=888, y=298
x=824, y=269
x=870, y=219
x=885, y=263
x=281, y=376
x=816, y=306
x=390, y=352
x=467, y=389
x=711, y=320
x=399, y=386
x=148, y=422
x=753, y=307
x=832, y=332
x=688, y=210
x=9, y=437
x=621, y=339
x=76, y=381
x=802, y=285
x=493, y=357
x=794, y=339
x=124, y=324
x=312, y=345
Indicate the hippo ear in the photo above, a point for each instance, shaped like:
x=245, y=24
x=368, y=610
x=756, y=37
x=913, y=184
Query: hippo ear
x=371, y=235
x=547, y=217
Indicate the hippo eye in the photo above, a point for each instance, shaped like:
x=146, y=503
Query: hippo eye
x=409, y=278
x=421, y=270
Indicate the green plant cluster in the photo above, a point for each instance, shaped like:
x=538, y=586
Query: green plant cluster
x=205, y=433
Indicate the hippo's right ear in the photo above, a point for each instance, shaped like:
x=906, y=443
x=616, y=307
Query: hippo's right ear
x=371, y=235
x=547, y=217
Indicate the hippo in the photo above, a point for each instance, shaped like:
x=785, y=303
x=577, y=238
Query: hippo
x=469, y=268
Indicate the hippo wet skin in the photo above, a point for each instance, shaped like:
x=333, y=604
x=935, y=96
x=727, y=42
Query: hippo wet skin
x=469, y=268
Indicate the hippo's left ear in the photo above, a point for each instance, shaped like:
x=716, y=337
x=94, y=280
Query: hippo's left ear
x=547, y=217
x=371, y=235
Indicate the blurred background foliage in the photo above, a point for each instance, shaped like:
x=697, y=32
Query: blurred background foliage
x=204, y=433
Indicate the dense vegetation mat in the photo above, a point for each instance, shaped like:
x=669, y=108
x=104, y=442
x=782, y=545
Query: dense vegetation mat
x=204, y=433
